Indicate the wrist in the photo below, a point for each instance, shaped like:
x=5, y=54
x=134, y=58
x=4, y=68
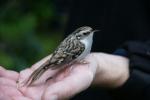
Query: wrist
x=112, y=71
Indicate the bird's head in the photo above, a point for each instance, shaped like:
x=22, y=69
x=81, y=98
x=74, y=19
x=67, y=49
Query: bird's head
x=84, y=32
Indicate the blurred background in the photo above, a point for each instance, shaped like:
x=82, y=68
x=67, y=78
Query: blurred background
x=29, y=31
x=32, y=29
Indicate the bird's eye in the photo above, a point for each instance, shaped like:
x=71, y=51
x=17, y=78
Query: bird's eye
x=78, y=37
x=86, y=33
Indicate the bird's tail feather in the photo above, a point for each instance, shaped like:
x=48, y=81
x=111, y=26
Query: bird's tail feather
x=37, y=74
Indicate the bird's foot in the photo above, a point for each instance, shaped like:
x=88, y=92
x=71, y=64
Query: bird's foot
x=83, y=62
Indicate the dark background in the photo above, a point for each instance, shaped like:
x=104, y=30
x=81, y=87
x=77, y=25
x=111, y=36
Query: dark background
x=120, y=21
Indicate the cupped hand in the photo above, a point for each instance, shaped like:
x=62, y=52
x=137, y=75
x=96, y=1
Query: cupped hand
x=65, y=84
x=8, y=86
x=101, y=70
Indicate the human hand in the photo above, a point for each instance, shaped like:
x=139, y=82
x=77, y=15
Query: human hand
x=102, y=70
x=8, y=86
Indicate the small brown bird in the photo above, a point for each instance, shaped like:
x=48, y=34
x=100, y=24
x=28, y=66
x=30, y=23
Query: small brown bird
x=73, y=49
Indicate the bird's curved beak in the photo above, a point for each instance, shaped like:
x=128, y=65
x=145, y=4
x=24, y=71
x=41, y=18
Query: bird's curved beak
x=95, y=31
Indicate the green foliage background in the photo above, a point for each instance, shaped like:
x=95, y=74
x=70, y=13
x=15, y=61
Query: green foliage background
x=29, y=31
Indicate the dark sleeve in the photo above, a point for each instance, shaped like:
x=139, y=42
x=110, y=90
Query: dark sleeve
x=138, y=84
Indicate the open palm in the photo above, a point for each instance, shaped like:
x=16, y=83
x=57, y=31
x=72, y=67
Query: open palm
x=65, y=84
x=100, y=70
x=8, y=89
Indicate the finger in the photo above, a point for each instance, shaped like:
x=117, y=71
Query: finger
x=4, y=97
x=12, y=75
x=9, y=74
x=5, y=81
x=24, y=74
x=2, y=68
x=2, y=71
x=19, y=98
x=9, y=91
x=34, y=92
x=71, y=85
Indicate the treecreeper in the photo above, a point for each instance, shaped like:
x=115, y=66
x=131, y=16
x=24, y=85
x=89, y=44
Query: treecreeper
x=72, y=49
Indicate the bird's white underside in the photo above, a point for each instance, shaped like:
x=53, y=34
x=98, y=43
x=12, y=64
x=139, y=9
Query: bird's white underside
x=88, y=44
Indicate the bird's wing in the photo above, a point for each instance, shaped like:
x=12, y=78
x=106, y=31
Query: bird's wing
x=66, y=53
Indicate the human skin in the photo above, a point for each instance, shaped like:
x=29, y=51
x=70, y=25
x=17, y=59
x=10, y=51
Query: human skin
x=8, y=90
x=103, y=70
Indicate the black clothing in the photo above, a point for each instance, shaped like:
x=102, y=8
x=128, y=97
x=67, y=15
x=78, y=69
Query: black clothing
x=138, y=85
x=124, y=24
x=118, y=20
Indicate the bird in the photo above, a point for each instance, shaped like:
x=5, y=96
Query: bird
x=73, y=48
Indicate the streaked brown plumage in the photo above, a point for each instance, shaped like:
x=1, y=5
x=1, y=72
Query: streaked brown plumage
x=69, y=51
